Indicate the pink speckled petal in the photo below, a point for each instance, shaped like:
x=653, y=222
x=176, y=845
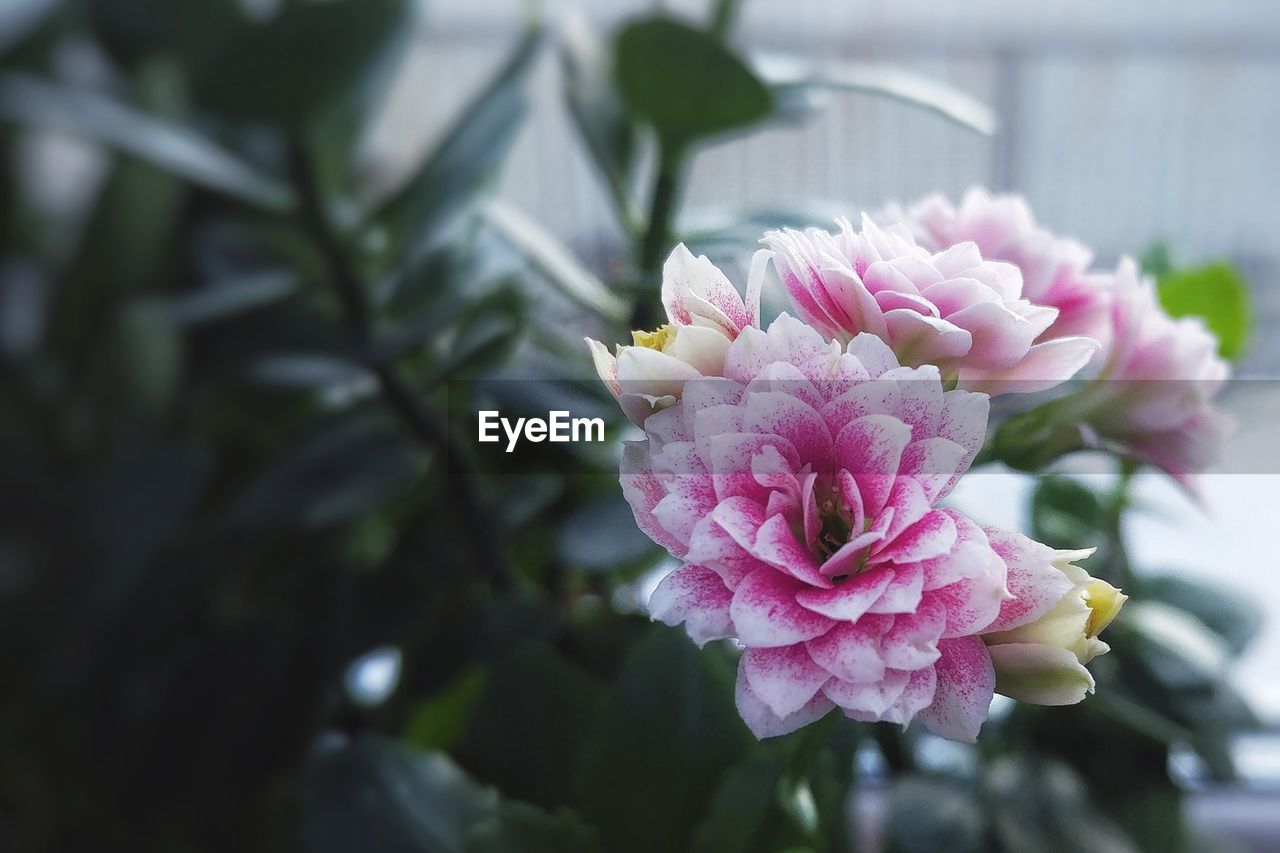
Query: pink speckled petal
x=870, y=448
x=783, y=678
x=765, y=612
x=851, y=651
x=696, y=596
x=849, y=599
x=966, y=683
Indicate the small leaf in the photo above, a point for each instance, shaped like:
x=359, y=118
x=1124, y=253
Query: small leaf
x=1066, y=514
x=30, y=100
x=440, y=721
x=1217, y=294
x=685, y=82
x=467, y=158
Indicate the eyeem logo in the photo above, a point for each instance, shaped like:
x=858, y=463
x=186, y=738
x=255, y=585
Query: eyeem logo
x=557, y=427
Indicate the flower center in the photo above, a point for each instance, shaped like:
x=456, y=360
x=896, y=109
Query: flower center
x=659, y=339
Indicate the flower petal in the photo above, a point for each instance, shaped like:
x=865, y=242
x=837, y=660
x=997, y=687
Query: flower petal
x=765, y=612
x=783, y=678
x=847, y=600
x=851, y=651
x=966, y=683
x=696, y=596
x=1040, y=675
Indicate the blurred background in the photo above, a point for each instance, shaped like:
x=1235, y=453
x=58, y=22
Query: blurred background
x=257, y=255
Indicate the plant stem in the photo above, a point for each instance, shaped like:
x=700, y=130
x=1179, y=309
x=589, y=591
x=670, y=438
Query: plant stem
x=723, y=17
x=353, y=294
x=1118, y=564
x=894, y=748
x=657, y=235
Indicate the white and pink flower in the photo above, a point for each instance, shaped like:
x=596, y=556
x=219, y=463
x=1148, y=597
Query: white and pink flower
x=800, y=492
x=951, y=308
x=705, y=314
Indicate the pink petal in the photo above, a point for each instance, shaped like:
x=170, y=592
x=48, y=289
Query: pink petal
x=902, y=595
x=1045, y=365
x=936, y=464
x=711, y=545
x=920, y=339
x=912, y=642
x=868, y=702
x=783, y=678
x=870, y=448
x=696, y=596
x=764, y=722
x=643, y=492
x=966, y=683
x=729, y=458
x=916, y=696
x=1033, y=580
x=848, y=600
x=931, y=536
x=777, y=546
x=851, y=651
x=765, y=612
x=777, y=413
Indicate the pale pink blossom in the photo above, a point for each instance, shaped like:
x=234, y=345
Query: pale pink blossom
x=800, y=491
x=1055, y=270
x=1153, y=398
x=705, y=313
x=951, y=308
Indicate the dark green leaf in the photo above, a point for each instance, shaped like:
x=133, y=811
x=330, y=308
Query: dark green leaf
x=667, y=734
x=441, y=721
x=338, y=471
x=1233, y=617
x=1044, y=805
x=601, y=535
x=1066, y=514
x=148, y=347
x=685, y=82
x=193, y=31
x=223, y=300
x=527, y=729
x=521, y=828
x=290, y=69
x=1217, y=294
x=468, y=158
x=29, y=100
x=378, y=795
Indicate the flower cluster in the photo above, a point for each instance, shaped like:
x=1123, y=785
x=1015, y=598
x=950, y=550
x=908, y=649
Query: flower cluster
x=796, y=470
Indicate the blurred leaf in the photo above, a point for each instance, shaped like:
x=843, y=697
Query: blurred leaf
x=666, y=735
x=193, y=30
x=1234, y=618
x=521, y=828
x=685, y=82
x=602, y=534
x=223, y=300
x=377, y=795
x=465, y=160
x=601, y=118
x=931, y=814
x=796, y=89
x=526, y=733
x=1066, y=514
x=1044, y=806
x=440, y=721
x=1217, y=294
x=291, y=68
x=340, y=470
x=338, y=382
x=553, y=261
x=744, y=816
x=149, y=348
x=30, y=100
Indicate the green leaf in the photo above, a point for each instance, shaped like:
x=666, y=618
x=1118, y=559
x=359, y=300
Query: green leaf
x=1233, y=617
x=526, y=733
x=1155, y=261
x=887, y=81
x=378, y=795
x=222, y=300
x=1217, y=294
x=553, y=261
x=441, y=720
x=1066, y=514
x=193, y=31
x=685, y=82
x=149, y=349
x=338, y=471
x=667, y=734
x=601, y=535
x=290, y=69
x=30, y=100
x=1044, y=805
x=465, y=160
x=522, y=828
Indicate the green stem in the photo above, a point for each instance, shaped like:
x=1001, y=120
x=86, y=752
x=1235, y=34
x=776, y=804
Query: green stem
x=657, y=236
x=893, y=746
x=1118, y=565
x=353, y=294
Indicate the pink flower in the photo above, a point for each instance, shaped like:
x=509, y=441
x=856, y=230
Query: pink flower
x=951, y=308
x=800, y=492
x=1153, y=399
x=705, y=314
x=1055, y=270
